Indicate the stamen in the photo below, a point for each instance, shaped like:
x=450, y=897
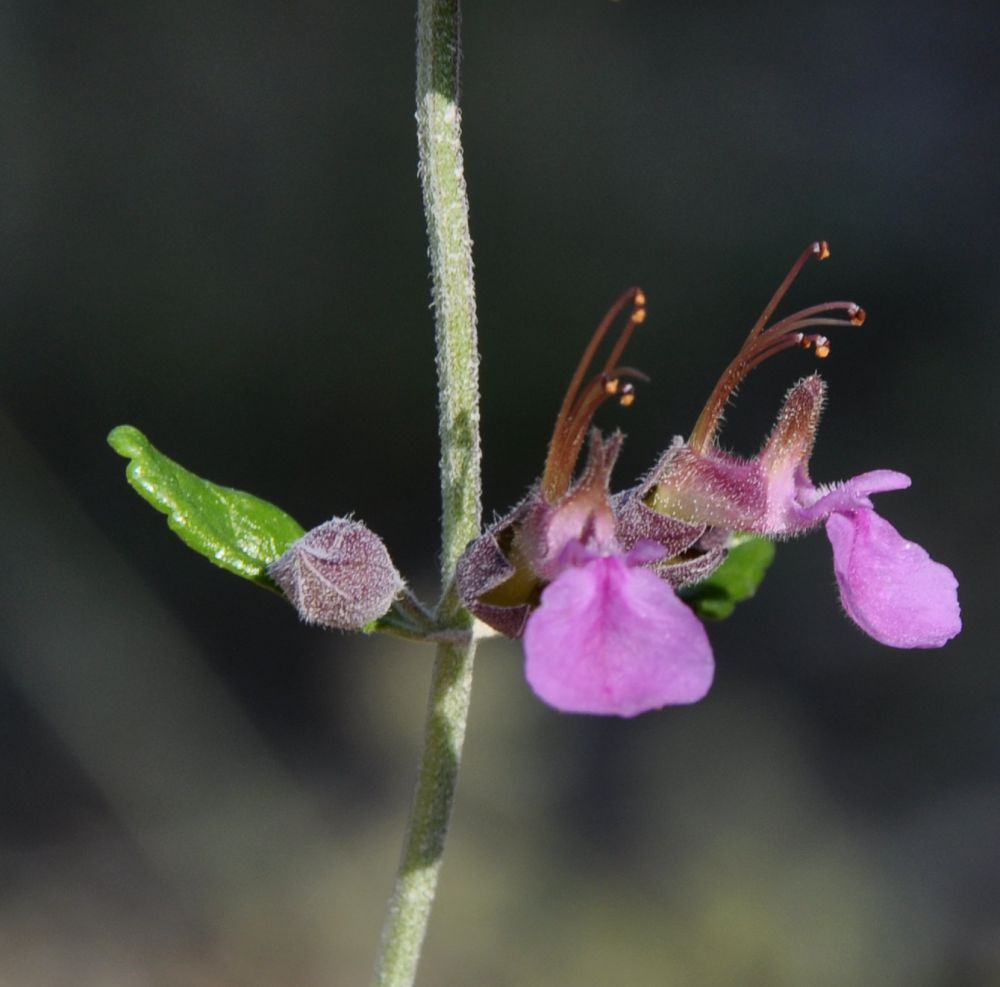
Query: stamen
x=784, y=343
x=634, y=295
x=820, y=250
x=798, y=318
x=637, y=318
x=576, y=427
x=583, y=399
x=765, y=341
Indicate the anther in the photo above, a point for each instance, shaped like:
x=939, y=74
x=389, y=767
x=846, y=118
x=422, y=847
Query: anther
x=856, y=314
x=640, y=299
x=627, y=396
x=639, y=316
x=821, y=249
x=820, y=344
x=611, y=386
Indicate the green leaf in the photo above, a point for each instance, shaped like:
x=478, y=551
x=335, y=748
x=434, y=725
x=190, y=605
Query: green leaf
x=233, y=529
x=734, y=581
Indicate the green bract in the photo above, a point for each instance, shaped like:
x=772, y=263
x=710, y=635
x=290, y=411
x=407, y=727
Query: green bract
x=235, y=530
x=734, y=581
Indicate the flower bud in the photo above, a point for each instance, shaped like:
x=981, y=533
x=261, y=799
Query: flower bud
x=338, y=575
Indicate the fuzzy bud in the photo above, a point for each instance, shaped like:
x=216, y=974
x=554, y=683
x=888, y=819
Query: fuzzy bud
x=338, y=575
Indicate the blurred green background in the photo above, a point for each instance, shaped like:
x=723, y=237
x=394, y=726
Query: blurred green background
x=213, y=230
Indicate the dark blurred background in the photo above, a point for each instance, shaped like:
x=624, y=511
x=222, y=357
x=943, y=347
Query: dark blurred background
x=213, y=231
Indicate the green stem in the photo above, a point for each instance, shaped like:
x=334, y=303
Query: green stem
x=423, y=848
x=446, y=208
x=450, y=246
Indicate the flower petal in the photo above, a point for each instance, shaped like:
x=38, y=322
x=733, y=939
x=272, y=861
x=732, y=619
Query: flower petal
x=890, y=587
x=609, y=638
x=820, y=502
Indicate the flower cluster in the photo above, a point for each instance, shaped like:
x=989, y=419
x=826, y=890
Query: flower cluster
x=588, y=578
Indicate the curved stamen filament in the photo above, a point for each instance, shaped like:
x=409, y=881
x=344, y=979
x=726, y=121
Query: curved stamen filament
x=819, y=344
x=806, y=323
x=820, y=249
x=855, y=316
x=765, y=341
x=594, y=395
x=637, y=317
x=583, y=399
x=635, y=295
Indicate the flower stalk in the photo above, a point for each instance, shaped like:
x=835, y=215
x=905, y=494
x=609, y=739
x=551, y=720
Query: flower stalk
x=453, y=292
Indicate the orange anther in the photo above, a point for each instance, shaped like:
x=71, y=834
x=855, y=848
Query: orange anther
x=821, y=250
x=857, y=315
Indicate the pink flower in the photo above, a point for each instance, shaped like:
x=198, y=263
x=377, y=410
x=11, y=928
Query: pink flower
x=588, y=579
x=602, y=633
x=889, y=586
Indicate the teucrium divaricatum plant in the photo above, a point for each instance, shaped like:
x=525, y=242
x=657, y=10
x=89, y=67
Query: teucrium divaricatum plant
x=606, y=589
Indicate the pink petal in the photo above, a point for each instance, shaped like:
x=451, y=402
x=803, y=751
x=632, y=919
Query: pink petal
x=849, y=495
x=890, y=587
x=612, y=639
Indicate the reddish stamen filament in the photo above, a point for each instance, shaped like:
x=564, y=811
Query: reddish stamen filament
x=765, y=341
x=583, y=398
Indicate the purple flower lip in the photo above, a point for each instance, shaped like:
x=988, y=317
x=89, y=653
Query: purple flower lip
x=890, y=587
x=612, y=638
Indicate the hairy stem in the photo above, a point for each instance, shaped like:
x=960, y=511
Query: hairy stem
x=416, y=880
x=450, y=248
